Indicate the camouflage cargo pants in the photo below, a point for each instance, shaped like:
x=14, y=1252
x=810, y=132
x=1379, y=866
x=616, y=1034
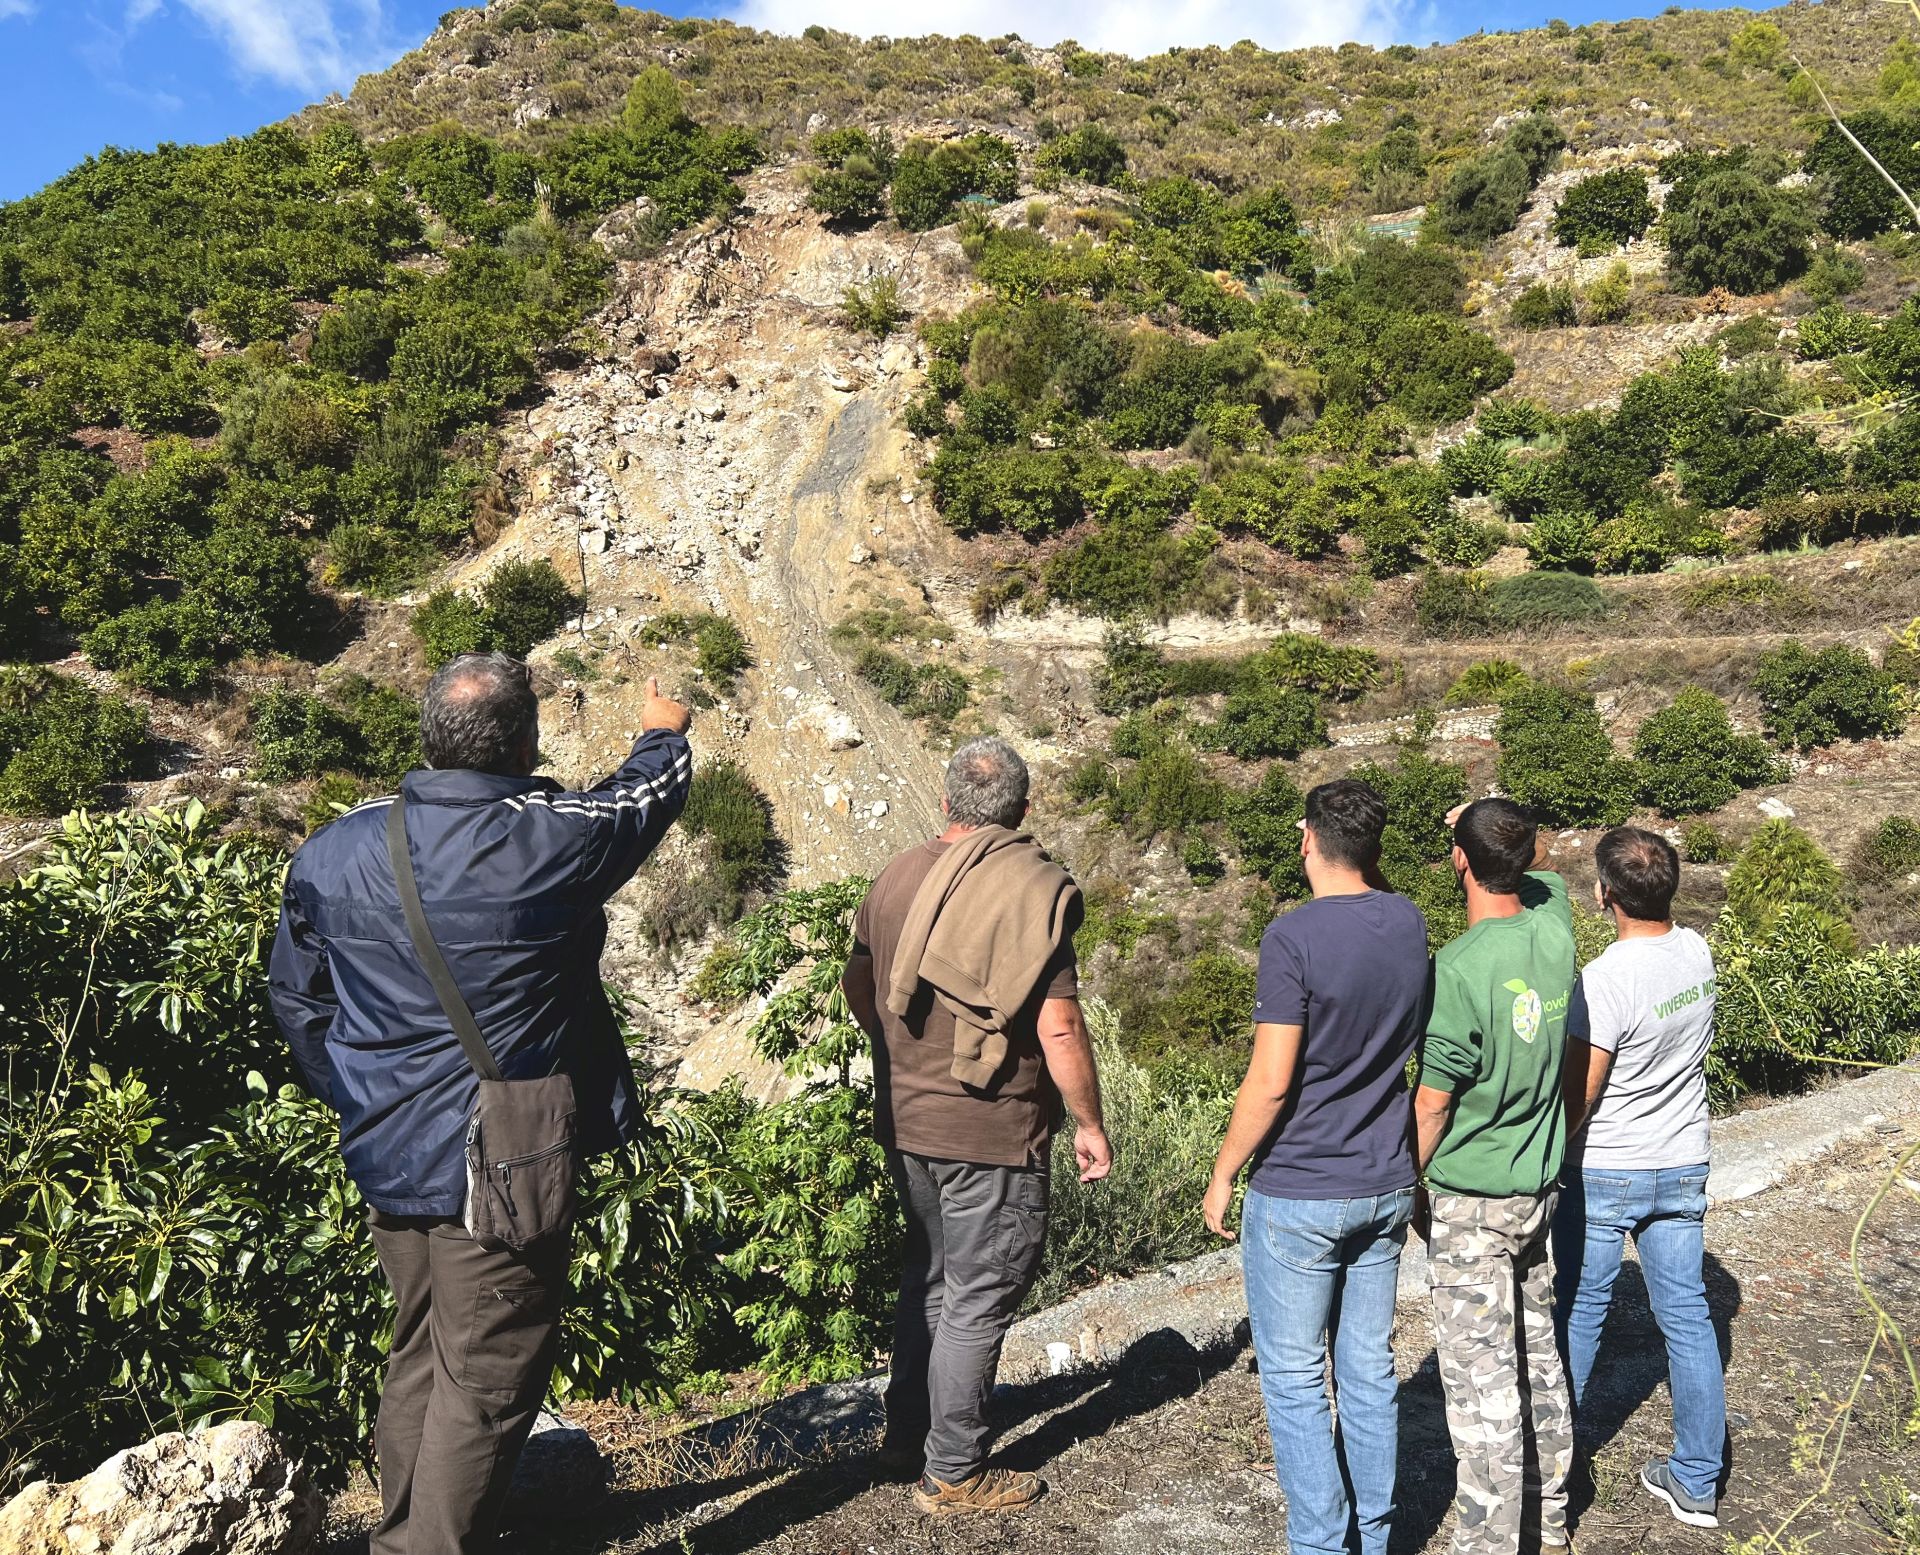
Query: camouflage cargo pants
x=1507, y=1403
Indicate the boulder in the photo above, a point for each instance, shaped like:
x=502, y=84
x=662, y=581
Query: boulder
x=230, y=1490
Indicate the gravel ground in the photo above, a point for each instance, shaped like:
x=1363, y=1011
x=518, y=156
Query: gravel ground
x=1168, y=1451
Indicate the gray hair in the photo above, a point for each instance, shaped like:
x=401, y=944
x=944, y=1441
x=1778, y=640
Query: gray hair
x=480, y=714
x=986, y=785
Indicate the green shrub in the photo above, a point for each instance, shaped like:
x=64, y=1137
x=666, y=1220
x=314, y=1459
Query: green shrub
x=1137, y=1217
x=1813, y=699
x=1781, y=867
x=1691, y=760
x=1263, y=823
x=1455, y=542
x=1205, y=1019
x=929, y=181
x=1555, y=756
x=449, y=624
x=1734, y=230
x=1489, y=680
x=1453, y=604
x=1265, y=719
x=519, y=604
x=1542, y=598
x=169, y=646
x=1562, y=539
x=1537, y=141
x=1833, y=330
x=1736, y=591
x=1271, y=500
x=1433, y=368
x=1603, y=211
x=1132, y=673
x=1473, y=465
x=297, y=736
x=851, y=184
x=1419, y=792
x=1128, y=569
x=1300, y=659
x=1702, y=844
x=1791, y=1002
x=368, y=730
x=61, y=742
x=1508, y=416
x=332, y=796
x=1544, y=305
x=1609, y=299
x=1202, y=861
x=1092, y=152
x=1892, y=849
x=1834, y=274
x=1651, y=534
x=1168, y=790
x=875, y=308
x=1855, y=201
x=722, y=652
x=1483, y=198
x=740, y=853
x=1396, y=277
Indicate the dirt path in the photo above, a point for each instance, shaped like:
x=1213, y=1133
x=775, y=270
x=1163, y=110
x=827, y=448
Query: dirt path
x=1169, y=1453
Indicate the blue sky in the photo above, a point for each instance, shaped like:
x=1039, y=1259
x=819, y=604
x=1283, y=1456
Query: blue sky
x=90, y=73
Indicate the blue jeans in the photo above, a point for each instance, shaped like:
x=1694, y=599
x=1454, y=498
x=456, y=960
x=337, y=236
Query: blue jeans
x=1665, y=1210
x=1317, y=1267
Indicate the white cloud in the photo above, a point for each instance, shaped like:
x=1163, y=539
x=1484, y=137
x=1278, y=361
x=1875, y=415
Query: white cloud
x=12, y=8
x=1122, y=26
x=303, y=43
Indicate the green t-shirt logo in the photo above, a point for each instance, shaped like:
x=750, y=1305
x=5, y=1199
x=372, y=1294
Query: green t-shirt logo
x=1526, y=1010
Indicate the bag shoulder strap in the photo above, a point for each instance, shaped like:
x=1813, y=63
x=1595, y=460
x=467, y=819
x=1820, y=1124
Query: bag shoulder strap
x=445, y=988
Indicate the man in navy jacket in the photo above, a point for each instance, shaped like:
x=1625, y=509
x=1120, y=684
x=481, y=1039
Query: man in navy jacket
x=514, y=873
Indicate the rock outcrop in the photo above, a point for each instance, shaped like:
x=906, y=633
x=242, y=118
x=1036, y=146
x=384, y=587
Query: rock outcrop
x=230, y=1490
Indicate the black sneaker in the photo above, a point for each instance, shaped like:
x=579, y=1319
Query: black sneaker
x=1694, y=1511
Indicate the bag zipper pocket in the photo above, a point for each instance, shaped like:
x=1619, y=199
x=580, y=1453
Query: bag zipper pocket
x=529, y=1160
x=506, y=1170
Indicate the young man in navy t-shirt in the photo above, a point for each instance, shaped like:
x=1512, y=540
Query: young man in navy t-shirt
x=1323, y=1115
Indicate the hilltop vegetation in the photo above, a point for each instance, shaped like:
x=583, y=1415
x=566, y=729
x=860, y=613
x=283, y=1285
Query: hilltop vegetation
x=1237, y=117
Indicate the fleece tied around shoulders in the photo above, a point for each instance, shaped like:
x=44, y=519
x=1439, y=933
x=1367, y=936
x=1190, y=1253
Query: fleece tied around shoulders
x=984, y=926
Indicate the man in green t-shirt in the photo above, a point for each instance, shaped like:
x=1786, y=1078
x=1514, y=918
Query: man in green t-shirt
x=1491, y=1132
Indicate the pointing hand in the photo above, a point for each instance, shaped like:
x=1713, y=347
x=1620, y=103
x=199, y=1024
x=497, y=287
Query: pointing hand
x=663, y=712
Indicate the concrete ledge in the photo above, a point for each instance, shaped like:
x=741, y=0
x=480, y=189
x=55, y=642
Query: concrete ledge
x=1200, y=1305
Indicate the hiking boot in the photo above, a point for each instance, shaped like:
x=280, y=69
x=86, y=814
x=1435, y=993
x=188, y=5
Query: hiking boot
x=991, y=1490
x=899, y=1461
x=1694, y=1511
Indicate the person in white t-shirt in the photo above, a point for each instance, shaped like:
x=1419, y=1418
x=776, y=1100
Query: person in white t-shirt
x=1636, y=1088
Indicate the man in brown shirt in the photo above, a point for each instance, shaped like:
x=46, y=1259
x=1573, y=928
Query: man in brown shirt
x=970, y=1161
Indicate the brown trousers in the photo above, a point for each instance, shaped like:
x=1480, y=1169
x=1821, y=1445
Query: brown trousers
x=475, y=1335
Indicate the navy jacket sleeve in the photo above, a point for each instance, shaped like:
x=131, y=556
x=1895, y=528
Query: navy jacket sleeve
x=628, y=813
x=300, y=989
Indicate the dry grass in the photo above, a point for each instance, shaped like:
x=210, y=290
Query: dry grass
x=1226, y=114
